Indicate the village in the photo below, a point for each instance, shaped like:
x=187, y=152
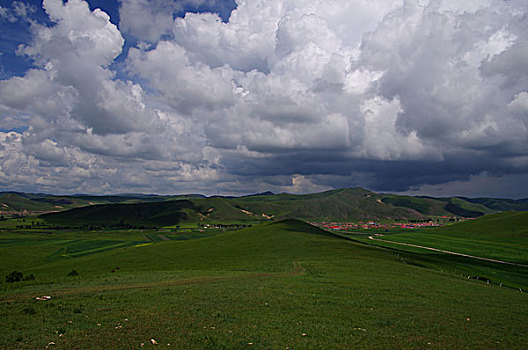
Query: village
x=369, y=225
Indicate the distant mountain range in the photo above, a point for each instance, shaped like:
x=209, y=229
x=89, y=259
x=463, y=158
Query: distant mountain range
x=157, y=210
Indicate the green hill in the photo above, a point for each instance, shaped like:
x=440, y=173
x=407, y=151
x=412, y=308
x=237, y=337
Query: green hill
x=336, y=205
x=346, y=204
x=507, y=226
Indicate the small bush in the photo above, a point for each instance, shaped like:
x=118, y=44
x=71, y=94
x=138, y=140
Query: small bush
x=73, y=273
x=15, y=276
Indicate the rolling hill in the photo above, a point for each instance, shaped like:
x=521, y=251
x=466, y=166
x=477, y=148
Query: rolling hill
x=152, y=214
x=334, y=205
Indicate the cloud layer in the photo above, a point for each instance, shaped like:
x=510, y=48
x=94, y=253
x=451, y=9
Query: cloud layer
x=300, y=96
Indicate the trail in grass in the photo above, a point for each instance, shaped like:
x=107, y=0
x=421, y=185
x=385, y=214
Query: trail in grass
x=297, y=271
x=449, y=252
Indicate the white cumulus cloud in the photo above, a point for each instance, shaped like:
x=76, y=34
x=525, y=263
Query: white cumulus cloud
x=299, y=95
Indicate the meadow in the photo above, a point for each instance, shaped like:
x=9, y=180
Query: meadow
x=276, y=285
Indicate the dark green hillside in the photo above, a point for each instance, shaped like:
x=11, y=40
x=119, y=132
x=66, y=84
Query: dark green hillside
x=138, y=214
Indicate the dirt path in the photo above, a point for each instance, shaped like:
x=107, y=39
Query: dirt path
x=449, y=252
x=297, y=271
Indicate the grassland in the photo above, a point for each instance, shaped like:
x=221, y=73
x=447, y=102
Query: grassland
x=277, y=285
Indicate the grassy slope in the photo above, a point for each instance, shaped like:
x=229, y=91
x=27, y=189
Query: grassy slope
x=267, y=285
x=502, y=236
x=18, y=203
x=506, y=226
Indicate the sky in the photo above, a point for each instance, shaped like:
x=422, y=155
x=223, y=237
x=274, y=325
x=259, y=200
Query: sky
x=422, y=97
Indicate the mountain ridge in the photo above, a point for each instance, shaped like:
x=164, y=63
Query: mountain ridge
x=347, y=204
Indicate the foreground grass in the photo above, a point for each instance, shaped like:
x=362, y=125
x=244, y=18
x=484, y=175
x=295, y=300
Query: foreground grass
x=273, y=286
